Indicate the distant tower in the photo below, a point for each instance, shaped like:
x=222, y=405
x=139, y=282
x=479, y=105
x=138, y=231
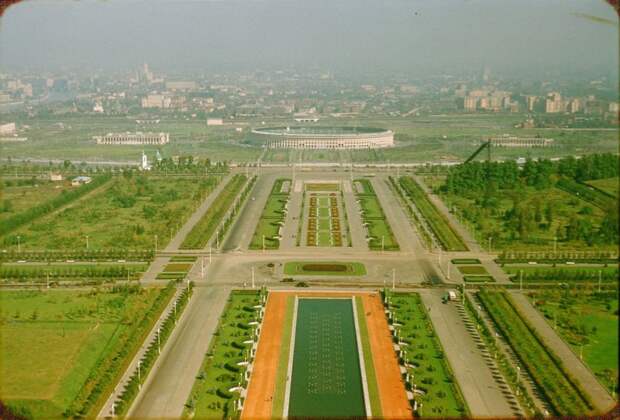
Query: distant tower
x=158, y=156
x=145, y=162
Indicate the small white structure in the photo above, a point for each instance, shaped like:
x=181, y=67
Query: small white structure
x=7, y=129
x=81, y=180
x=215, y=121
x=144, y=164
x=98, y=108
x=55, y=177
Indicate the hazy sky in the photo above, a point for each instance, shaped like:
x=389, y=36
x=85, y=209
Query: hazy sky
x=409, y=37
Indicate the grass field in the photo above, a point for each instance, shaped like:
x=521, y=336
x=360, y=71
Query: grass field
x=51, y=342
x=17, y=198
x=324, y=268
x=436, y=388
x=609, y=185
x=127, y=213
x=380, y=235
x=447, y=236
x=176, y=270
x=273, y=216
x=588, y=322
x=202, y=231
x=326, y=378
x=211, y=396
x=418, y=139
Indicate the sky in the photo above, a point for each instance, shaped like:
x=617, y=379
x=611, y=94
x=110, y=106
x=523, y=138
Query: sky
x=419, y=38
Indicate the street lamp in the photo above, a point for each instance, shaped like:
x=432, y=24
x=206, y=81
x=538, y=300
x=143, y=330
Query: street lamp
x=155, y=243
x=19, y=245
x=86, y=241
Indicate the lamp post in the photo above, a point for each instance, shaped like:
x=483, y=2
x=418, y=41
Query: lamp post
x=155, y=243
x=393, y=279
x=87, y=242
x=19, y=244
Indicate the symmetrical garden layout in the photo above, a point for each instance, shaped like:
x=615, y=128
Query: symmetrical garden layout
x=317, y=354
x=324, y=224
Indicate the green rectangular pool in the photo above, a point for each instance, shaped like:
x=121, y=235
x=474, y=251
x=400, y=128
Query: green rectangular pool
x=326, y=378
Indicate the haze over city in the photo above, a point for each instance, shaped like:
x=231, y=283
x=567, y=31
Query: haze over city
x=360, y=38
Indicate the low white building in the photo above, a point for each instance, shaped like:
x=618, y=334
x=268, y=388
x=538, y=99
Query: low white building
x=81, y=180
x=215, y=121
x=138, y=138
x=8, y=129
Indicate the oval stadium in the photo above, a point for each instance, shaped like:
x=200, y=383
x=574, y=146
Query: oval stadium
x=336, y=138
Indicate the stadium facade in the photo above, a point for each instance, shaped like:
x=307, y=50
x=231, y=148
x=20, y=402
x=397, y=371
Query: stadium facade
x=318, y=137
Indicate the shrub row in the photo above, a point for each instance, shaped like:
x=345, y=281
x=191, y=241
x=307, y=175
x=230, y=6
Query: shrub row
x=449, y=239
x=79, y=255
x=210, y=221
x=133, y=385
x=562, y=392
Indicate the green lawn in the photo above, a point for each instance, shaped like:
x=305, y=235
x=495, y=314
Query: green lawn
x=272, y=218
x=211, y=396
x=51, y=341
x=380, y=235
x=588, y=321
x=431, y=374
x=127, y=213
x=324, y=268
x=609, y=185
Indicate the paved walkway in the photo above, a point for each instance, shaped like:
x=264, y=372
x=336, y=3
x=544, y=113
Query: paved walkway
x=601, y=398
x=483, y=395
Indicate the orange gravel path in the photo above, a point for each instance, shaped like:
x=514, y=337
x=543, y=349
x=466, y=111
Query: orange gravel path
x=394, y=403
x=263, y=380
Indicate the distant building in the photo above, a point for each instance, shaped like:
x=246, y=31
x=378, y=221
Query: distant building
x=81, y=180
x=514, y=141
x=98, y=108
x=613, y=107
x=215, y=121
x=181, y=85
x=553, y=103
x=55, y=177
x=156, y=101
x=137, y=138
x=306, y=119
x=470, y=103
x=574, y=106
x=8, y=129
